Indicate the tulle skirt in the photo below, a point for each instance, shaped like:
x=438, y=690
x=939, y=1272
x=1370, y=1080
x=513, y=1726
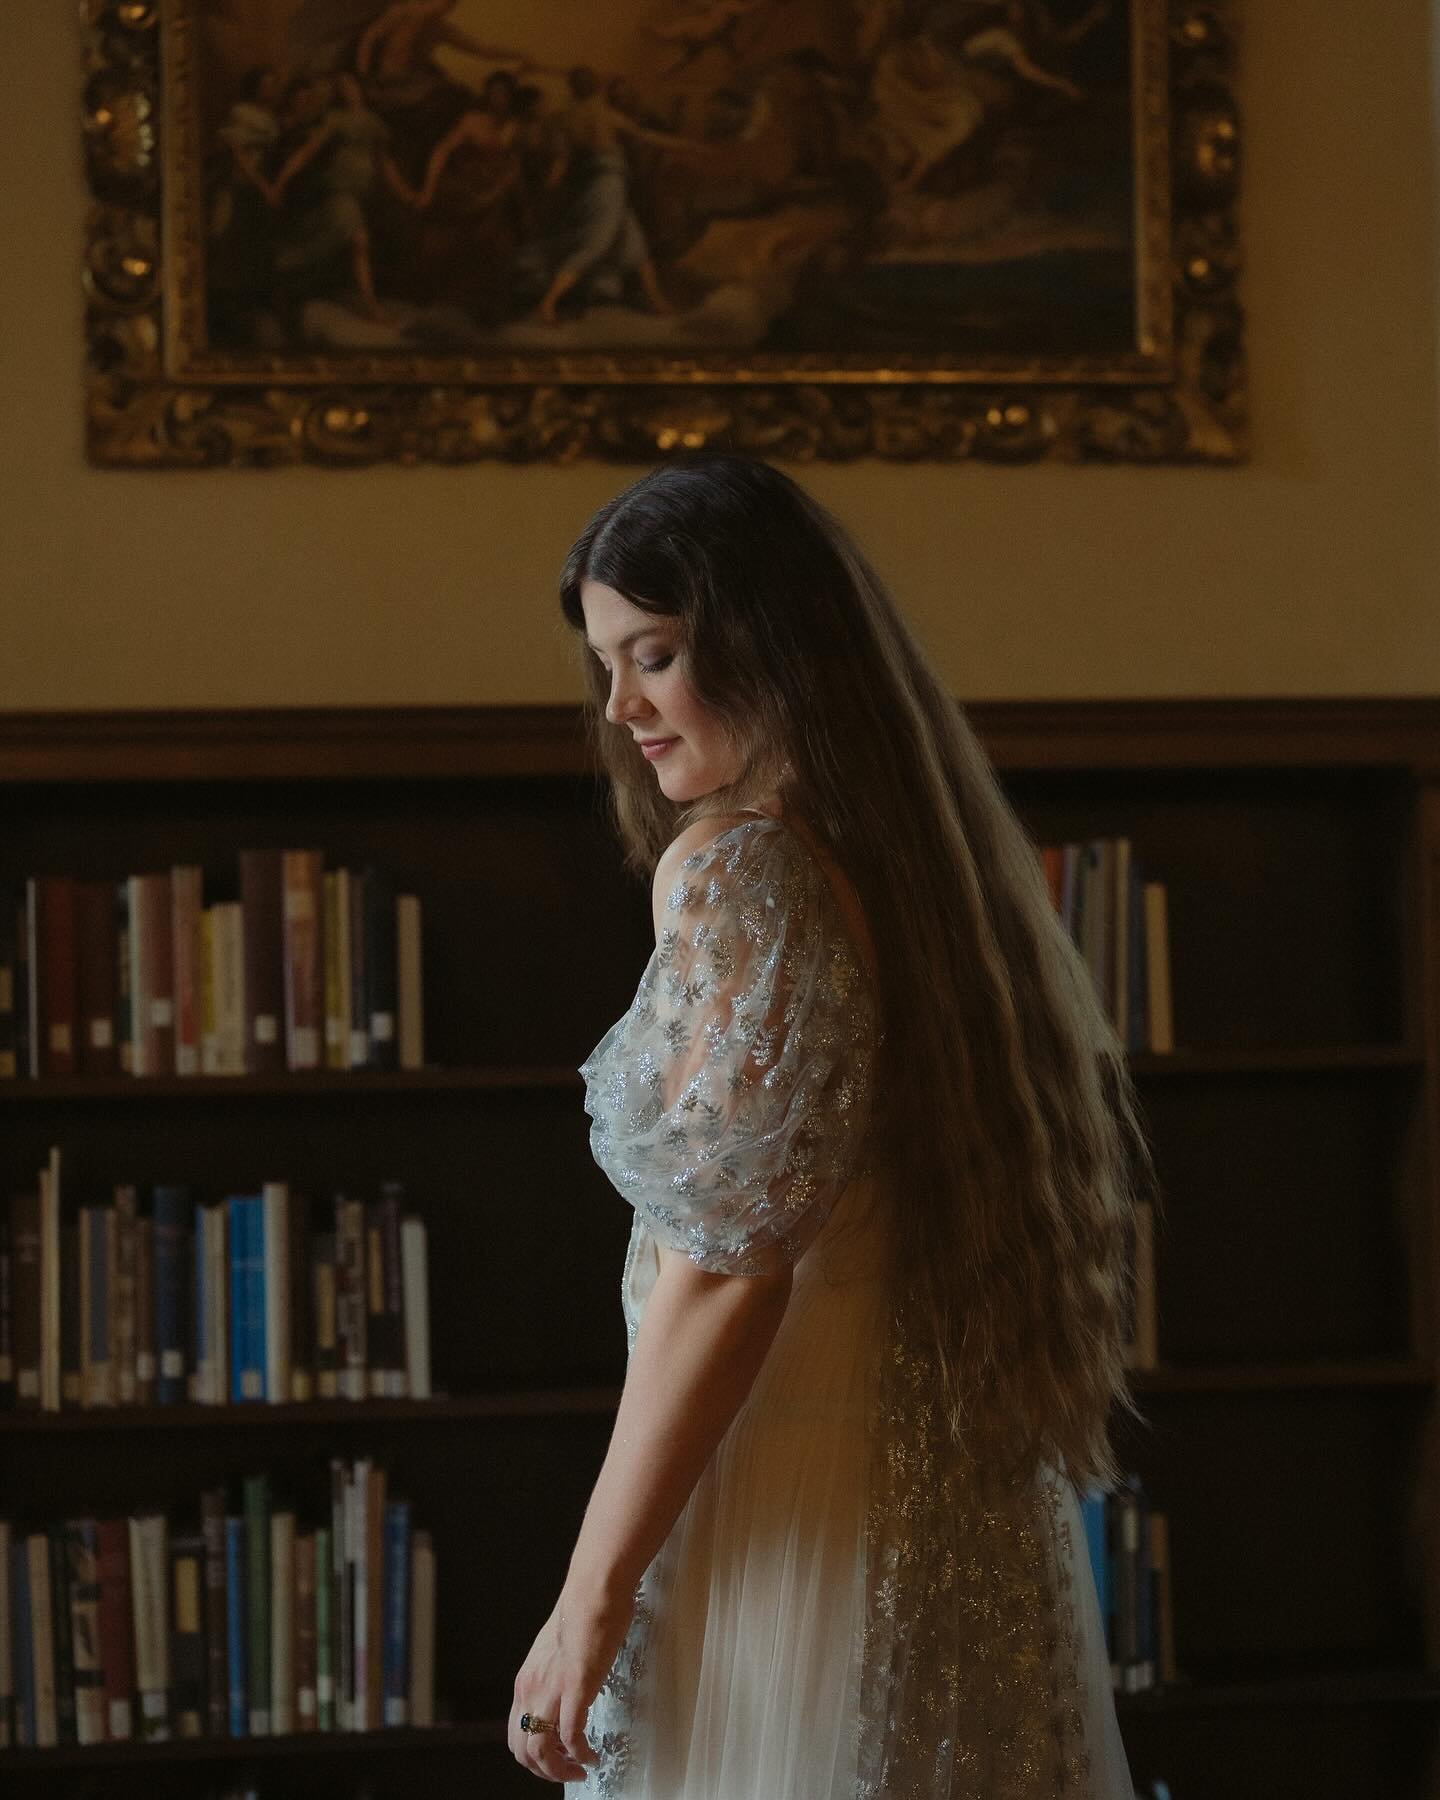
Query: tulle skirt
x=744, y=1671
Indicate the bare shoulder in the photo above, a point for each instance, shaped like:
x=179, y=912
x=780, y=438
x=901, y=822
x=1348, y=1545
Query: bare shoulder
x=694, y=837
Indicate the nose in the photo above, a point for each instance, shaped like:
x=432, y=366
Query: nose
x=626, y=701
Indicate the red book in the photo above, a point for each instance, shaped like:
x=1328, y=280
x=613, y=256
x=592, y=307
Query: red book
x=186, y=904
x=99, y=1054
x=54, y=965
x=152, y=976
x=117, y=1650
x=303, y=891
x=261, y=897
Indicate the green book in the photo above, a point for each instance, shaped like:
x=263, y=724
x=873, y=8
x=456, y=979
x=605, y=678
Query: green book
x=257, y=1600
x=324, y=1669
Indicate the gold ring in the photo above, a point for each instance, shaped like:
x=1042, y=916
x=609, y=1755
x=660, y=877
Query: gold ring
x=533, y=1722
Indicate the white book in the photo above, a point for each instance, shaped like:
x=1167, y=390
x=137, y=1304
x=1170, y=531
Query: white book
x=409, y=984
x=149, y=1554
x=50, y=1284
x=275, y=1197
x=414, y=1260
x=422, y=1628
x=282, y=1622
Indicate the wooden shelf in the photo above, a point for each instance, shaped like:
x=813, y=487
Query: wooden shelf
x=370, y=1082
x=1216, y=1378
x=399, y=1738
x=303, y=1086
x=445, y=1409
x=1363, y=1687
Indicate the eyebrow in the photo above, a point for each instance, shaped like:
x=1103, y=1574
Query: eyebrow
x=627, y=640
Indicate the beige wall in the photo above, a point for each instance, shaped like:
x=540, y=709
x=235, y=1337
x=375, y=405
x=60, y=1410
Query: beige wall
x=1312, y=570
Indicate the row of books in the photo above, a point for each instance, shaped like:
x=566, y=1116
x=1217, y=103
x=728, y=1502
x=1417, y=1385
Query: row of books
x=1129, y=1545
x=256, y=1297
x=310, y=968
x=250, y=1625
x=1119, y=922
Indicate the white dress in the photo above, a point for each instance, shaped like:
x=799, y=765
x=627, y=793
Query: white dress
x=839, y=1612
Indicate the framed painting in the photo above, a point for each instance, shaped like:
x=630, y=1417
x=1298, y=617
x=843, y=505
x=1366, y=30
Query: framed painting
x=348, y=231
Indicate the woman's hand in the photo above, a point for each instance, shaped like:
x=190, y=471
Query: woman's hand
x=561, y=1676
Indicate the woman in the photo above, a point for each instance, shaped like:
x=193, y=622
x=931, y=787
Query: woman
x=881, y=1145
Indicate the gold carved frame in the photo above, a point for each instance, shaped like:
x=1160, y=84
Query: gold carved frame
x=158, y=396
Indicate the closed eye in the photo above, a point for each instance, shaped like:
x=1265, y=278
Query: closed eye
x=655, y=667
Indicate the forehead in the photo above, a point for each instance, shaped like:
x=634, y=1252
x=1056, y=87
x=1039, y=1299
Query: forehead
x=611, y=619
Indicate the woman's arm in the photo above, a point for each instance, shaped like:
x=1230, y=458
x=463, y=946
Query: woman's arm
x=701, y=1343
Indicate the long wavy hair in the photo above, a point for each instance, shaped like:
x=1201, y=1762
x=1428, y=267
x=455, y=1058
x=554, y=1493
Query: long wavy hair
x=1009, y=1118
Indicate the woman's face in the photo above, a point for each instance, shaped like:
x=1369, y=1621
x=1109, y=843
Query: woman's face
x=651, y=697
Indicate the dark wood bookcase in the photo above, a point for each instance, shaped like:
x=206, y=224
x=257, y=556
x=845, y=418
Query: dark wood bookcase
x=1290, y=1427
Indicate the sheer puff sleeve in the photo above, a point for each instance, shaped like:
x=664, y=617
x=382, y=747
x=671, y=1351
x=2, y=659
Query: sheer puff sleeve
x=730, y=1103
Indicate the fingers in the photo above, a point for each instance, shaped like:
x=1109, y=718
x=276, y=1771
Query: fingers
x=572, y=1732
x=546, y=1753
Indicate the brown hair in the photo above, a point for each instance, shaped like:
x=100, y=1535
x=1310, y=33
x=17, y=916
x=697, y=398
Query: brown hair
x=1009, y=1119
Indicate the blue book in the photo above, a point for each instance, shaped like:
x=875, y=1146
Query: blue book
x=1092, y=1512
x=172, y=1208
x=235, y=1625
x=22, y=1665
x=395, y=1631
x=247, y=1373
x=259, y=1357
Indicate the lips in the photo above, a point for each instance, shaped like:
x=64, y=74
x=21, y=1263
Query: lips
x=653, y=747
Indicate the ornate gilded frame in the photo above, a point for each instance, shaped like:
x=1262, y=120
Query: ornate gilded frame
x=157, y=396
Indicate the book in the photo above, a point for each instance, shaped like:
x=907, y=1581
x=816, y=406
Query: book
x=282, y=1621
x=414, y=1258
x=303, y=955
x=97, y=1052
x=410, y=982
x=422, y=1629
x=237, y=1625
x=81, y=1545
x=152, y=975
x=117, y=1641
x=188, y=1651
x=217, y=1671
x=187, y=927
x=149, y=1536
x=256, y=1511
x=262, y=903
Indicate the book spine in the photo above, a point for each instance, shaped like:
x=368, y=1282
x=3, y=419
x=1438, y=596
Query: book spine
x=148, y=1537
x=187, y=1633
x=117, y=1642
x=375, y=1596
x=23, y=1640
x=350, y=1307
x=172, y=1273
x=58, y=972
x=42, y=1641
x=187, y=912
x=8, y=1728
x=324, y=1633
x=261, y=897
x=123, y=1294
x=303, y=904
x=422, y=1629
x=217, y=1671
x=11, y=975
x=302, y=1302
x=7, y=1326
x=124, y=971
x=381, y=971
x=305, y=1631
x=98, y=959
x=27, y=1280
x=275, y=1201
x=147, y=1361
x=397, y=1612
x=327, y=1355
x=210, y=992
x=257, y=1600
x=415, y=1257
x=157, y=963
x=410, y=982
x=282, y=1622
x=62, y=1636
x=337, y=969
x=237, y=1629
x=357, y=880
x=81, y=1547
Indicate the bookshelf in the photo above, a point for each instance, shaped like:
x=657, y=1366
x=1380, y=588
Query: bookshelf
x=1292, y=1435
